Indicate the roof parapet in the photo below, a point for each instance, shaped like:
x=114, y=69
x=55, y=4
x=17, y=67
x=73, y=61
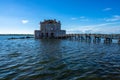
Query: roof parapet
x=50, y=21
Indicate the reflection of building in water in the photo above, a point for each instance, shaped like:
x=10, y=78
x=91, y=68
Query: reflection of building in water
x=51, y=49
x=50, y=60
x=49, y=29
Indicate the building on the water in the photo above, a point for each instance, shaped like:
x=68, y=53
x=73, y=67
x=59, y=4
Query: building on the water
x=49, y=29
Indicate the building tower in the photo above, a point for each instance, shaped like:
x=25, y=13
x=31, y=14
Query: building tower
x=49, y=29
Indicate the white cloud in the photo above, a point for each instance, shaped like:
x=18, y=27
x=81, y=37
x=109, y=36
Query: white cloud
x=114, y=18
x=107, y=9
x=24, y=21
x=73, y=18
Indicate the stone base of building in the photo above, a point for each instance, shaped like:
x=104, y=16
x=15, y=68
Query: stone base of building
x=51, y=34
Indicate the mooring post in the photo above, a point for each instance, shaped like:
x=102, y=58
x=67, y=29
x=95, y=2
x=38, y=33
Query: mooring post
x=78, y=36
x=70, y=36
x=96, y=39
x=119, y=41
x=82, y=38
x=108, y=40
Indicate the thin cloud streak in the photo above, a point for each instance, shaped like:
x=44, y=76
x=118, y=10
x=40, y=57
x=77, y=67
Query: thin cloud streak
x=99, y=28
x=73, y=18
x=114, y=18
x=107, y=9
x=81, y=18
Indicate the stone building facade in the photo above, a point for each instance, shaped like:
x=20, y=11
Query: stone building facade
x=49, y=29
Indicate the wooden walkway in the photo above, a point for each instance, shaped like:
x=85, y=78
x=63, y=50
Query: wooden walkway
x=108, y=38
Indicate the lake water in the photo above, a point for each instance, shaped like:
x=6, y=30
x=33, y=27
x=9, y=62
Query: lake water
x=52, y=59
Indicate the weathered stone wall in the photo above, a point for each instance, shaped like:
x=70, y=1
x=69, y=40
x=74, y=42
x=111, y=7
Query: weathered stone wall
x=48, y=29
x=37, y=34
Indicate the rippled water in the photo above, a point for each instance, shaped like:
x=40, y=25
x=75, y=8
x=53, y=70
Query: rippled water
x=52, y=59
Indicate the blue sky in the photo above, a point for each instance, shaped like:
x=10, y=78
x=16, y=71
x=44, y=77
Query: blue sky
x=76, y=16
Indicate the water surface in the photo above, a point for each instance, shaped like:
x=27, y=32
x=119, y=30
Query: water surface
x=52, y=59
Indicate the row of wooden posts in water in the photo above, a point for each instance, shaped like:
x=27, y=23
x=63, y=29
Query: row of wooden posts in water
x=108, y=38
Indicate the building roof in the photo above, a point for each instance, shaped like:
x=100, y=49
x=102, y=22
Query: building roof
x=50, y=21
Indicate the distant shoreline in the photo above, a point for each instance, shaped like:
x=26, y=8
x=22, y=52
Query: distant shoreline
x=16, y=34
x=69, y=33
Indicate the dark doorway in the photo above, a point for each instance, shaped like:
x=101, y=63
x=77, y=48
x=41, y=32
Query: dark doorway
x=42, y=35
x=46, y=34
x=52, y=35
